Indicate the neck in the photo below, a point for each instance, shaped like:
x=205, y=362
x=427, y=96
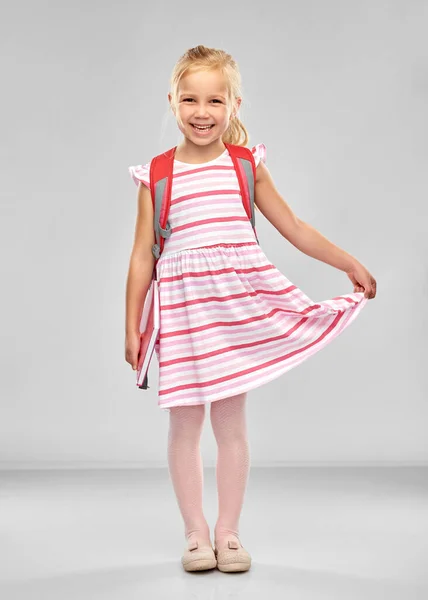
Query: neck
x=194, y=153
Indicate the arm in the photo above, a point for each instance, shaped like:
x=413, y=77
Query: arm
x=141, y=263
x=302, y=235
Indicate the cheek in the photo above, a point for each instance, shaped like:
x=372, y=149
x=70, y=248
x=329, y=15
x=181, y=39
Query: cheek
x=182, y=114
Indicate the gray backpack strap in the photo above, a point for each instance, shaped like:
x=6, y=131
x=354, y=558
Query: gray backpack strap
x=248, y=168
x=159, y=231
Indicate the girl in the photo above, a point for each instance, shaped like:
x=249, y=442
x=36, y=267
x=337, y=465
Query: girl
x=230, y=321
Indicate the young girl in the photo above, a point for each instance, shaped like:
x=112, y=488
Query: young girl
x=230, y=321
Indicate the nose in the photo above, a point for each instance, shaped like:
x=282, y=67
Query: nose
x=201, y=110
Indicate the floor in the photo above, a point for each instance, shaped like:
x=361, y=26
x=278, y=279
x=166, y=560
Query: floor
x=313, y=533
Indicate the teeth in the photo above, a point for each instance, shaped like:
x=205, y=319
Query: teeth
x=202, y=128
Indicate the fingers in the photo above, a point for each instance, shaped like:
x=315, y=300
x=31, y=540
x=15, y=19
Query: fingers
x=371, y=291
x=132, y=348
x=132, y=359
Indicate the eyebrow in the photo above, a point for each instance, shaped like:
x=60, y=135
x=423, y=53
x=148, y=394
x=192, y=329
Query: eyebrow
x=210, y=96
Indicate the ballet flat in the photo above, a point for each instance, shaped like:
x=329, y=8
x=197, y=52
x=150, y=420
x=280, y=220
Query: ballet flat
x=233, y=559
x=198, y=559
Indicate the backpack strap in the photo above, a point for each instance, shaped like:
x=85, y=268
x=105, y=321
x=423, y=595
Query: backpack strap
x=161, y=172
x=245, y=167
x=161, y=169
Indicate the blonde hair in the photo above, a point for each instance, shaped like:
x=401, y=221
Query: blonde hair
x=202, y=58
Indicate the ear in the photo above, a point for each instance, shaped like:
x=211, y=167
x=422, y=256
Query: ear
x=237, y=106
x=169, y=100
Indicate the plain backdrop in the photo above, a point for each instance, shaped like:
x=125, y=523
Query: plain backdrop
x=338, y=92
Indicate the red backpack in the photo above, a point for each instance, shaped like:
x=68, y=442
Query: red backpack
x=161, y=169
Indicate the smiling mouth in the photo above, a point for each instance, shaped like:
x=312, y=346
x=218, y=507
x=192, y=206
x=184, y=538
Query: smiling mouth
x=201, y=127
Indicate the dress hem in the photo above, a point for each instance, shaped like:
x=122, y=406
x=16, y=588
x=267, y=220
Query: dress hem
x=276, y=373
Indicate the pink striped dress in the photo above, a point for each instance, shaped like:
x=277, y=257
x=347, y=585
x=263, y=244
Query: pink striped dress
x=230, y=320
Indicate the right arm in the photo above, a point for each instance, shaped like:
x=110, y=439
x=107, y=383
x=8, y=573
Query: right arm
x=140, y=273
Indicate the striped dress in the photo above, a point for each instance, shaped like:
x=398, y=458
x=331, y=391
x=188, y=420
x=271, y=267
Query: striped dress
x=230, y=321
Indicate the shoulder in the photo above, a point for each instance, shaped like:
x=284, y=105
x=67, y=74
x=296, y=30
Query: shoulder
x=140, y=173
x=259, y=153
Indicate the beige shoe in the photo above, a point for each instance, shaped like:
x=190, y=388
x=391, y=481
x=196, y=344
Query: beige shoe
x=236, y=558
x=198, y=559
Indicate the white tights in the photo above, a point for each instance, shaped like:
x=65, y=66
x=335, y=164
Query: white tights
x=228, y=421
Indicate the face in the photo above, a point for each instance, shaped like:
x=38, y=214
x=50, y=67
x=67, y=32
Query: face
x=202, y=100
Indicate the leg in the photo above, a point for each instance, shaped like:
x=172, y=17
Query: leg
x=228, y=420
x=186, y=469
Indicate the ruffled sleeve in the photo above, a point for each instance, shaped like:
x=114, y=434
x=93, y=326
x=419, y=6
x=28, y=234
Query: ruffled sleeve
x=259, y=153
x=140, y=173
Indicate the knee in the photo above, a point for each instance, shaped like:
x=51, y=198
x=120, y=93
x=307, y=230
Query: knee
x=229, y=421
x=230, y=436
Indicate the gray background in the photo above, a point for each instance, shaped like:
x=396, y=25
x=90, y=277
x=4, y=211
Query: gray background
x=337, y=91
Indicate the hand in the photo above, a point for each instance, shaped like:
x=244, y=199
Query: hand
x=132, y=347
x=363, y=281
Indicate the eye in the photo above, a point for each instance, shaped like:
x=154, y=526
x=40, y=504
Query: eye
x=191, y=99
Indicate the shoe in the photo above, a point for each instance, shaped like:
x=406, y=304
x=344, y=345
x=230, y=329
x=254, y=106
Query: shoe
x=198, y=559
x=233, y=559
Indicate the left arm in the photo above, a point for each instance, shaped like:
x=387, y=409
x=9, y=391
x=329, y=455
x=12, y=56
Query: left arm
x=302, y=235
x=305, y=237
